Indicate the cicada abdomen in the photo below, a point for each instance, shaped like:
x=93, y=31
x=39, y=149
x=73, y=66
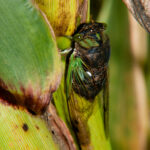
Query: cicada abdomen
x=87, y=74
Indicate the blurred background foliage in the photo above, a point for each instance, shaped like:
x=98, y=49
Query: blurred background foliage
x=129, y=75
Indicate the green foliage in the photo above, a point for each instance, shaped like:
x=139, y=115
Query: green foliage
x=29, y=68
x=21, y=130
x=28, y=53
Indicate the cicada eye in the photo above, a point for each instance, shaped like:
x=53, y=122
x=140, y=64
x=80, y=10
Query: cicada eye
x=78, y=37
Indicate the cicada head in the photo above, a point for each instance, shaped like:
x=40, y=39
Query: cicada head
x=89, y=31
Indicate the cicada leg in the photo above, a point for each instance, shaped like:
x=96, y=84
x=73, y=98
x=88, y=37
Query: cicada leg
x=65, y=52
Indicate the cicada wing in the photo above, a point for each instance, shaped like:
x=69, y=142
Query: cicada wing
x=106, y=105
x=74, y=73
x=79, y=108
x=68, y=74
x=76, y=77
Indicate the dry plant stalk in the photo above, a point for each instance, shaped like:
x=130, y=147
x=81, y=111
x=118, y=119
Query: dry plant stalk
x=140, y=9
x=138, y=43
x=59, y=130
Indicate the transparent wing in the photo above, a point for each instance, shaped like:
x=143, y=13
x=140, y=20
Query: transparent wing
x=75, y=74
x=106, y=105
x=79, y=108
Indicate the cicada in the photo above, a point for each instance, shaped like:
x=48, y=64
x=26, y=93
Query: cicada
x=87, y=75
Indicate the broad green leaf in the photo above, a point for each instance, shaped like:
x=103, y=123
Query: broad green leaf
x=29, y=60
x=21, y=130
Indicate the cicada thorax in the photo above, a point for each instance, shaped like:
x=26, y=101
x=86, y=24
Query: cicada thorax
x=92, y=46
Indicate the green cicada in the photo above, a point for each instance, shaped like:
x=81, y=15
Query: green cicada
x=86, y=75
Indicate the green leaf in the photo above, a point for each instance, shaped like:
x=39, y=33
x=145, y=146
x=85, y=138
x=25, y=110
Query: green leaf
x=21, y=130
x=29, y=60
